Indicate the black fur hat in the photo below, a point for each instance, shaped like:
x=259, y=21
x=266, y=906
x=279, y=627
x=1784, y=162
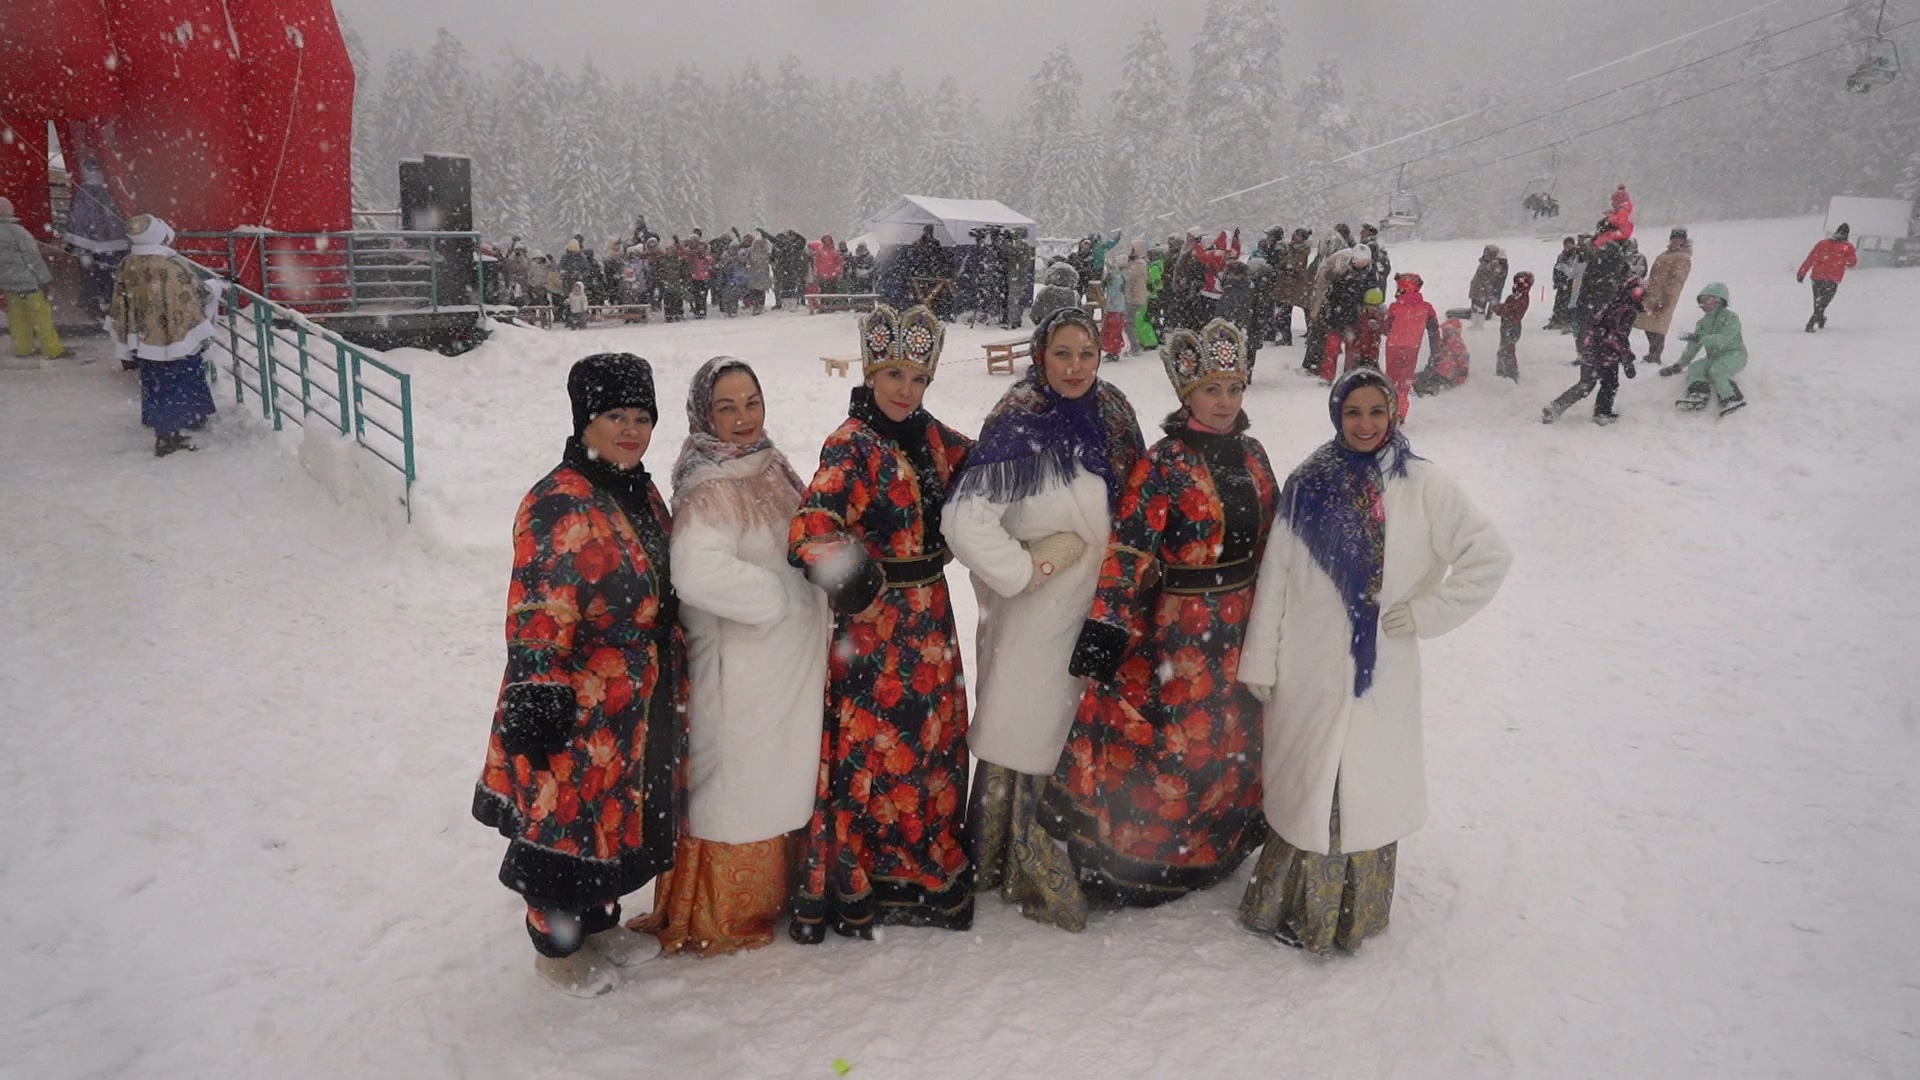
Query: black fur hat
x=607, y=381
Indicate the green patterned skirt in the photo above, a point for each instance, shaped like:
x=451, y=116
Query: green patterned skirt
x=1322, y=901
x=1013, y=855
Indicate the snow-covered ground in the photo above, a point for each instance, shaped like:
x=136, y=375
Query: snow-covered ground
x=1674, y=829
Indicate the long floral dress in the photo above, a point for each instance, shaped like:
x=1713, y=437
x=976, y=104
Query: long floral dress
x=1158, y=792
x=584, y=761
x=884, y=844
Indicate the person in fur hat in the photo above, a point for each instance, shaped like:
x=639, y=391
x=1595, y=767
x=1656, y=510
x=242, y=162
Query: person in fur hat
x=162, y=315
x=583, y=773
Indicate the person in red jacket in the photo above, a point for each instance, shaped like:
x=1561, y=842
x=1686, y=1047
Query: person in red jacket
x=1409, y=316
x=1512, y=310
x=1618, y=224
x=1450, y=364
x=1828, y=262
x=826, y=264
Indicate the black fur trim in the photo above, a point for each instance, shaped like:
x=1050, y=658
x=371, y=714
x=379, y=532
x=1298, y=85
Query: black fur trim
x=535, y=718
x=860, y=589
x=1098, y=652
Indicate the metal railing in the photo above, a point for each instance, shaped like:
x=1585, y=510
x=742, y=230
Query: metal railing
x=300, y=372
x=372, y=272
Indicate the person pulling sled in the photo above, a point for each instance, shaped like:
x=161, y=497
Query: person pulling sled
x=1715, y=353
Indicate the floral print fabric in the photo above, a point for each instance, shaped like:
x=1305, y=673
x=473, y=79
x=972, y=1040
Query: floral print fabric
x=1158, y=792
x=596, y=817
x=885, y=843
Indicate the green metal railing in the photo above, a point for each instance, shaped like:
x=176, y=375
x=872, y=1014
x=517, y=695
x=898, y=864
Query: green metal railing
x=348, y=272
x=300, y=372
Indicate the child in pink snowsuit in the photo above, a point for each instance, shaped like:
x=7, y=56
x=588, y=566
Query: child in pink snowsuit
x=1409, y=316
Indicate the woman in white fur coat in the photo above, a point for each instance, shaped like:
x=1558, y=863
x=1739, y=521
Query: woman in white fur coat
x=1036, y=497
x=1381, y=549
x=757, y=637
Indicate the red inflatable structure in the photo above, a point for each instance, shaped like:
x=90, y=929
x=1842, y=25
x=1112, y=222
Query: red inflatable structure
x=214, y=114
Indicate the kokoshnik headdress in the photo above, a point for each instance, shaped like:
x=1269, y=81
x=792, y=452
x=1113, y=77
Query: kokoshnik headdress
x=906, y=339
x=1218, y=351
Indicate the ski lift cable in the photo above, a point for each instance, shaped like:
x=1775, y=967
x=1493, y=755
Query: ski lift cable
x=1672, y=41
x=1516, y=125
x=1622, y=120
x=1344, y=157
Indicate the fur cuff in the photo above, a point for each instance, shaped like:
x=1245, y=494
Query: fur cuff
x=535, y=718
x=1098, y=652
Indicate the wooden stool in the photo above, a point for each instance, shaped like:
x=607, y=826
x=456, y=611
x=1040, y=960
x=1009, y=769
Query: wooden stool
x=838, y=365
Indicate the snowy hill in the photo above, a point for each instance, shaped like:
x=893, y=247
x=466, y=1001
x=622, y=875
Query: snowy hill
x=1672, y=828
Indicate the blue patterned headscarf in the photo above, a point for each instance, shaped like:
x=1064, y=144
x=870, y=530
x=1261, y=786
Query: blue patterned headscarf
x=1333, y=502
x=1034, y=437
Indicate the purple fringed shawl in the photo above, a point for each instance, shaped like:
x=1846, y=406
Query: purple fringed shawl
x=1333, y=502
x=1034, y=438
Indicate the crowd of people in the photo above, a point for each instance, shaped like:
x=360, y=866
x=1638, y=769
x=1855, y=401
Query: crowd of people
x=1183, y=657
x=683, y=276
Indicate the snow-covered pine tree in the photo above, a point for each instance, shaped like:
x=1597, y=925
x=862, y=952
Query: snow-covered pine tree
x=1146, y=110
x=1054, y=145
x=449, y=88
x=579, y=187
x=948, y=162
x=1323, y=130
x=1236, y=96
x=686, y=188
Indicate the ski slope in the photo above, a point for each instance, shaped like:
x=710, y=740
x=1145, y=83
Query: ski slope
x=1673, y=828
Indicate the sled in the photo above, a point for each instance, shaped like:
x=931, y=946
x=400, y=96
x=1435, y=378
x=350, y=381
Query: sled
x=1002, y=354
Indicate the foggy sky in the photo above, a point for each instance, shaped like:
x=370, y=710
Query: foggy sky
x=993, y=46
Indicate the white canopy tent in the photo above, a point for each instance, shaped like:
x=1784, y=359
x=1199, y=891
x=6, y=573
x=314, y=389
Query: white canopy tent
x=953, y=220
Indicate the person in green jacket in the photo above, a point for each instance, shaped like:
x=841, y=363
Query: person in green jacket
x=1715, y=354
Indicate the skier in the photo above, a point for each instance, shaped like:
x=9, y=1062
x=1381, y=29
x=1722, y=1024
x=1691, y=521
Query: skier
x=1606, y=349
x=1409, y=316
x=1715, y=353
x=1512, y=312
x=1828, y=262
x=1666, y=284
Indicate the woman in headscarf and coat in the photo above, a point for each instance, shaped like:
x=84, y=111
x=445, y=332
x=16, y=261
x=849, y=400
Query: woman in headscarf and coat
x=884, y=843
x=1030, y=516
x=1375, y=549
x=583, y=772
x=757, y=639
x=1158, y=792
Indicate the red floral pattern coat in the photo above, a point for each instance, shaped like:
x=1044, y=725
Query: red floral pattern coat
x=885, y=839
x=1158, y=792
x=583, y=763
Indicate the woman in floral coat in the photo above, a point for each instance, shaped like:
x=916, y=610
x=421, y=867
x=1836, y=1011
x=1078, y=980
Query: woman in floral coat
x=1158, y=792
x=884, y=844
x=583, y=764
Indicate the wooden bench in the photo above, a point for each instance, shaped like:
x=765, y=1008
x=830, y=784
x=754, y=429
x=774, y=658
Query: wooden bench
x=839, y=365
x=824, y=302
x=1002, y=354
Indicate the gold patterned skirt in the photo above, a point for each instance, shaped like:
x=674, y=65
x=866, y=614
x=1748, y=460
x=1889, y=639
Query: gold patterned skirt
x=1013, y=854
x=720, y=898
x=1320, y=901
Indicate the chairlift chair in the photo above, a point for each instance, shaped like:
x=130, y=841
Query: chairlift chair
x=1403, y=206
x=1881, y=65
